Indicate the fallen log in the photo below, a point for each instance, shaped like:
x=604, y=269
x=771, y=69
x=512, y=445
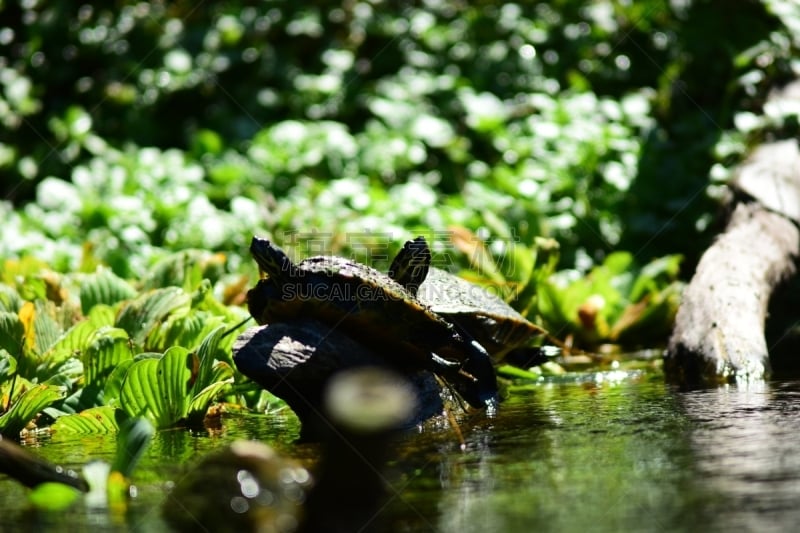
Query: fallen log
x=719, y=328
x=32, y=470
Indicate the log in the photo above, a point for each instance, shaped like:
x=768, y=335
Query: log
x=296, y=360
x=32, y=470
x=718, y=335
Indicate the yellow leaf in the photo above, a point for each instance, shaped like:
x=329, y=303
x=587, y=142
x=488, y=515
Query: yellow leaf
x=27, y=315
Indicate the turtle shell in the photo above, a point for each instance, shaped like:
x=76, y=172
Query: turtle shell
x=497, y=326
x=372, y=308
x=474, y=310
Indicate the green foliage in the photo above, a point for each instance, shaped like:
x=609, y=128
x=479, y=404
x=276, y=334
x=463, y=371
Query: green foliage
x=137, y=129
x=617, y=302
x=92, y=421
x=177, y=386
x=81, y=343
x=103, y=287
x=145, y=143
x=26, y=405
x=107, y=349
x=11, y=332
x=141, y=316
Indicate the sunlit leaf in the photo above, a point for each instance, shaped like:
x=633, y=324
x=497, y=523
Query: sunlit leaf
x=8, y=366
x=139, y=317
x=102, y=315
x=655, y=275
x=653, y=321
x=10, y=300
x=12, y=332
x=186, y=330
x=104, y=287
x=478, y=255
x=545, y=258
x=96, y=420
x=27, y=315
x=45, y=329
x=212, y=376
x=107, y=349
x=113, y=383
x=77, y=338
x=33, y=288
x=159, y=388
x=206, y=353
x=200, y=402
x=26, y=406
x=182, y=269
x=515, y=372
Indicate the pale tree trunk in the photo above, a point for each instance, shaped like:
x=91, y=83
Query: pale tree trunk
x=719, y=328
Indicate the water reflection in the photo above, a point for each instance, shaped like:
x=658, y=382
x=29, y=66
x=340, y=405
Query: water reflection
x=626, y=456
x=746, y=448
x=583, y=454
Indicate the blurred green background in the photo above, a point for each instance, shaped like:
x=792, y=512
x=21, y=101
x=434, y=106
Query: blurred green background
x=136, y=129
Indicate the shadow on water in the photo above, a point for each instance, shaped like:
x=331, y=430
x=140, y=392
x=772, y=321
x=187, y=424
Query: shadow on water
x=628, y=456
x=611, y=452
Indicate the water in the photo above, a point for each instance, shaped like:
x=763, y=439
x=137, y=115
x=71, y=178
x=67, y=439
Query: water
x=608, y=452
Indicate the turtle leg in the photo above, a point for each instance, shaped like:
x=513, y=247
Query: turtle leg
x=483, y=392
x=474, y=378
x=444, y=364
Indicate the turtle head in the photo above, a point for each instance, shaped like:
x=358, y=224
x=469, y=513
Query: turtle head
x=411, y=264
x=271, y=259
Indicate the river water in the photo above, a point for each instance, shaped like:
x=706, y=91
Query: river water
x=611, y=451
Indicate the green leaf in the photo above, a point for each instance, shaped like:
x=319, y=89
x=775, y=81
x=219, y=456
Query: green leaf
x=544, y=256
x=515, y=372
x=52, y=496
x=10, y=300
x=45, y=329
x=181, y=269
x=655, y=319
x=27, y=406
x=93, y=421
x=76, y=339
x=12, y=333
x=132, y=440
x=102, y=315
x=212, y=376
x=187, y=331
x=104, y=287
x=207, y=353
x=109, y=347
x=113, y=384
x=655, y=275
x=199, y=404
x=159, y=388
x=139, y=317
x=8, y=366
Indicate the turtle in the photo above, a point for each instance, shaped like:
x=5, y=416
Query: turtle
x=373, y=309
x=476, y=312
